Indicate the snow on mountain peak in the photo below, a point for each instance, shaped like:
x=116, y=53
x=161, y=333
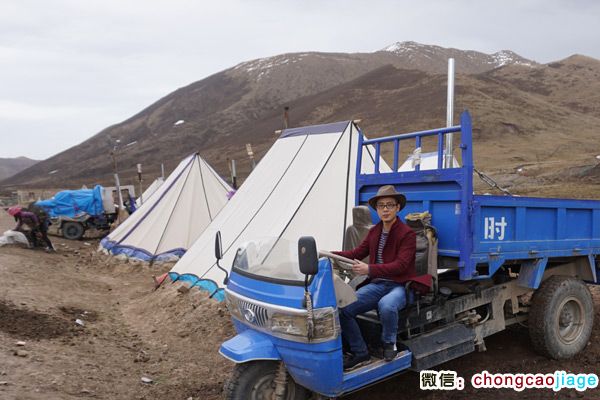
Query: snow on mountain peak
x=264, y=65
x=402, y=47
x=504, y=57
x=498, y=59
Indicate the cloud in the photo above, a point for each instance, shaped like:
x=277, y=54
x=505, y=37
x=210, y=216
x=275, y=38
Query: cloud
x=15, y=111
x=70, y=68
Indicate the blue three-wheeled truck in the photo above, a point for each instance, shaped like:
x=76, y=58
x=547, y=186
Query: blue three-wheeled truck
x=505, y=260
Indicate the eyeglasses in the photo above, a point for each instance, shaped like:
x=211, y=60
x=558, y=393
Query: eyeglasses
x=389, y=206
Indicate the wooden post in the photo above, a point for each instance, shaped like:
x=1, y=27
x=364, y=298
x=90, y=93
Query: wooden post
x=117, y=182
x=286, y=117
x=250, y=154
x=139, y=172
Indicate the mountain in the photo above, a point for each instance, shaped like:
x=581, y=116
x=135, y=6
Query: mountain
x=525, y=114
x=11, y=166
x=553, y=141
x=431, y=58
x=222, y=112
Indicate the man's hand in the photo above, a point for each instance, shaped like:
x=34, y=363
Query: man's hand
x=360, y=268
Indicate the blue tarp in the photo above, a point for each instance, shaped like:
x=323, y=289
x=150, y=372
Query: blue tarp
x=73, y=203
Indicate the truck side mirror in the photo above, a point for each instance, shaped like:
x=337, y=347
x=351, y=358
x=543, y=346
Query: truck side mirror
x=218, y=246
x=307, y=255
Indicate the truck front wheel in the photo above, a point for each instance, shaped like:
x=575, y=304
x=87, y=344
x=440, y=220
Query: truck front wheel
x=561, y=317
x=255, y=380
x=72, y=230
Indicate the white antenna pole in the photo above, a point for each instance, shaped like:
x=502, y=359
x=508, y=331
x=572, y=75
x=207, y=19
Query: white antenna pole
x=233, y=175
x=448, y=155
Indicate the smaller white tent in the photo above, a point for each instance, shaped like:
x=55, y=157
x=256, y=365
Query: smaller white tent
x=150, y=190
x=173, y=217
x=427, y=161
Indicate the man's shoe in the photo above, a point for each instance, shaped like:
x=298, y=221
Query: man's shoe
x=389, y=351
x=352, y=361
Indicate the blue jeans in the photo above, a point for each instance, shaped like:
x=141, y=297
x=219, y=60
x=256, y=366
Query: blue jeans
x=388, y=297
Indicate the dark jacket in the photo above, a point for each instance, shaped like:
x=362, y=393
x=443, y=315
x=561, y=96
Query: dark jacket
x=398, y=253
x=27, y=218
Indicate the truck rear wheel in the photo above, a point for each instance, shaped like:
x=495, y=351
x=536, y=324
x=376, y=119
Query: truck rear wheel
x=561, y=317
x=254, y=380
x=72, y=230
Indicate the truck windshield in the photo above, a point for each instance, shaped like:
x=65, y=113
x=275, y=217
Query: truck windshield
x=271, y=258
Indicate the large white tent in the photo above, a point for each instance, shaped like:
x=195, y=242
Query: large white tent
x=173, y=217
x=304, y=185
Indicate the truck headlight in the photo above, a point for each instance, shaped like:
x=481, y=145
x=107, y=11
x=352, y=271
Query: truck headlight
x=233, y=307
x=284, y=322
x=326, y=325
x=289, y=324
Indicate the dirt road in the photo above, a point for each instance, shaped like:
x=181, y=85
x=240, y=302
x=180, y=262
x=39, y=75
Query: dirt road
x=130, y=331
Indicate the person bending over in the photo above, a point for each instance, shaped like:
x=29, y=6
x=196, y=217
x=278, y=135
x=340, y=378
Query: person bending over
x=35, y=225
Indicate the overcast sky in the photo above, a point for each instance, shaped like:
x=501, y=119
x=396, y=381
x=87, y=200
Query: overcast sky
x=69, y=68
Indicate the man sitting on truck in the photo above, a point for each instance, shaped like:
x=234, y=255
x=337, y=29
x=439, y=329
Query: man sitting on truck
x=391, y=247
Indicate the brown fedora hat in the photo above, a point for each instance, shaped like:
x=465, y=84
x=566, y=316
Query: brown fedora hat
x=387, y=191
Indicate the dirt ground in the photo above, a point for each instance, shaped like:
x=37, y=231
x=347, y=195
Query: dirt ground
x=128, y=331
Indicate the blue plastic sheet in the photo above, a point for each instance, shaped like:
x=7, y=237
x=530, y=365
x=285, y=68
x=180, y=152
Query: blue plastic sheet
x=74, y=203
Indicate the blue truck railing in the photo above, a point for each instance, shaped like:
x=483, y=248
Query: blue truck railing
x=479, y=233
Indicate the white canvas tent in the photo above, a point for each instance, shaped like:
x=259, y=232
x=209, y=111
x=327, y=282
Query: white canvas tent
x=304, y=185
x=150, y=190
x=171, y=220
x=427, y=161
